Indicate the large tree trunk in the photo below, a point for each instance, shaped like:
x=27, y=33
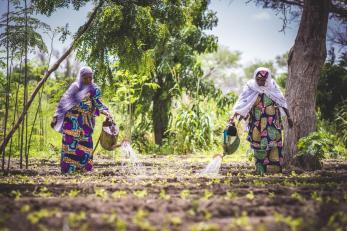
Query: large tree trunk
x=305, y=61
x=160, y=114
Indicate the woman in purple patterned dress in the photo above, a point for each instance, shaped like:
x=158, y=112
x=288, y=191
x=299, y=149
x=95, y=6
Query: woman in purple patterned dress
x=75, y=119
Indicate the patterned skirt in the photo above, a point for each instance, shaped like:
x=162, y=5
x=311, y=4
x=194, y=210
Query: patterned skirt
x=77, y=145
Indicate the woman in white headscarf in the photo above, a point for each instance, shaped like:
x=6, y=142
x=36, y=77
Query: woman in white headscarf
x=264, y=105
x=75, y=119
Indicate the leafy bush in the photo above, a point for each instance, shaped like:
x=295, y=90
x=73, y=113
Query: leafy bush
x=193, y=129
x=331, y=89
x=341, y=123
x=320, y=144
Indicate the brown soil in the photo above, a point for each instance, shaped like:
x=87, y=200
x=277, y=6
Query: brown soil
x=172, y=196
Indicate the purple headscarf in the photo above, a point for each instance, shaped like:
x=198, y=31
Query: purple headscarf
x=73, y=96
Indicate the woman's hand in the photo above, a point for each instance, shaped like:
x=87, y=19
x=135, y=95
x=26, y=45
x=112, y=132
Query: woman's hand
x=290, y=121
x=107, y=114
x=232, y=118
x=54, y=121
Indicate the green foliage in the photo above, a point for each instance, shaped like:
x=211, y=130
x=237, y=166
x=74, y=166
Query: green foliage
x=320, y=144
x=19, y=35
x=341, y=122
x=159, y=40
x=281, y=80
x=48, y=7
x=224, y=102
x=331, y=90
x=282, y=60
x=193, y=129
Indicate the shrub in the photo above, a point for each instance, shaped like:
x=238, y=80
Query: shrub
x=320, y=144
x=341, y=123
x=192, y=130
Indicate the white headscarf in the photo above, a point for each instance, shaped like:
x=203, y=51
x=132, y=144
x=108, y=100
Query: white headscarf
x=251, y=91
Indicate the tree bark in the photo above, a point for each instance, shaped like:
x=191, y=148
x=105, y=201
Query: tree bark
x=306, y=58
x=160, y=114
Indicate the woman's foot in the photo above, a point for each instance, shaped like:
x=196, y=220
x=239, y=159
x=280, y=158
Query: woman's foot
x=281, y=161
x=259, y=169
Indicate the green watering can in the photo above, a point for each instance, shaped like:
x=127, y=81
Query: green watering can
x=231, y=140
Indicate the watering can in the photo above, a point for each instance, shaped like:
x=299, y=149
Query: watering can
x=231, y=140
x=109, y=135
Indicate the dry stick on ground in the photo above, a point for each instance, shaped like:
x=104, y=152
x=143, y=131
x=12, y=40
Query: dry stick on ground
x=80, y=32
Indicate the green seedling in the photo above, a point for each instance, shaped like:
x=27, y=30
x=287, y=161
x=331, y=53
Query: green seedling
x=207, y=194
x=100, y=192
x=230, y=195
x=163, y=195
x=293, y=223
x=250, y=196
x=25, y=208
x=43, y=192
x=241, y=222
x=75, y=219
x=118, y=194
x=296, y=196
x=73, y=193
x=184, y=194
x=140, y=194
x=16, y=194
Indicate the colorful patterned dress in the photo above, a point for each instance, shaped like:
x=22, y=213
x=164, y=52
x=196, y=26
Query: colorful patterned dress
x=265, y=132
x=78, y=128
